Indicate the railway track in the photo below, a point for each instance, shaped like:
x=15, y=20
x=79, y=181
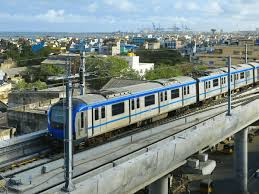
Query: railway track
x=46, y=155
x=240, y=100
x=80, y=171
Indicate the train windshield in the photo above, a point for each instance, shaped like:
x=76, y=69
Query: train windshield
x=57, y=117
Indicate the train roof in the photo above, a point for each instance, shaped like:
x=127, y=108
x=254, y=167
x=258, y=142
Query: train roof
x=166, y=82
x=241, y=66
x=90, y=98
x=225, y=69
x=183, y=79
x=254, y=64
x=143, y=87
x=244, y=65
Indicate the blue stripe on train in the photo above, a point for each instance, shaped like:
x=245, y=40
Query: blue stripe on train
x=59, y=134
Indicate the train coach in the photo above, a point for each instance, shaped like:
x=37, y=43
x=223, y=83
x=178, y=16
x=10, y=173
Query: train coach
x=115, y=108
x=111, y=109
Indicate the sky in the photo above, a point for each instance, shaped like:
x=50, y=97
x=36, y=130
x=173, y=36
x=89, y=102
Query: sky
x=126, y=15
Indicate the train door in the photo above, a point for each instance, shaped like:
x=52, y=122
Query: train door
x=99, y=120
x=90, y=123
x=207, y=86
x=186, y=92
x=233, y=81
x=132, y=109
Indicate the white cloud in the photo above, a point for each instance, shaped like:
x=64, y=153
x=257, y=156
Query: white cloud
x=53, y=16
x=192, y=6
x=207, y=7
x=92, y=7
x=121, y=5
x=213, y=7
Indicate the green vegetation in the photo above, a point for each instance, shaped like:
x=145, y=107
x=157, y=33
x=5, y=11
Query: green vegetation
x=105, y=68
x=111, y=67
x=43, y=72
x=165, y=71
x=23, y=56
x=23, y=85
x=162, y=56
x=168, y=63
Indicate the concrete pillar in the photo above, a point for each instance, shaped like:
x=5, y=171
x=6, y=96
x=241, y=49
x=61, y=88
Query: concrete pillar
x=160, y=186
x=241, y=165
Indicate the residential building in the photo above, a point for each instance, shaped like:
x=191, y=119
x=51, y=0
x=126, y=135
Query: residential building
x=171, y=44
x=141, y=68
x=8, y=63
x=152, y=45
x=220, y=53
x=139, y=41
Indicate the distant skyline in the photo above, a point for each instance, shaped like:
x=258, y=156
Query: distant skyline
x=126, y=15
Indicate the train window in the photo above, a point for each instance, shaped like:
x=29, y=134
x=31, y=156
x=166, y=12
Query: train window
x=118, y=109
x=242, y=75
x=225, y=80
x=149, y=100
x=161, y=97
x=215, y=82
x=165, y=95
x=207, y=85
x=132, y=104
x=103, y=112
x=82, y=119
x=175, y=93
x=138, y=104
x=231, y=78
x=184, y=90
x=96, y=114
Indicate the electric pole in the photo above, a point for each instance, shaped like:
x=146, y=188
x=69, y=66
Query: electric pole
x=68, y=136
x=82, y=73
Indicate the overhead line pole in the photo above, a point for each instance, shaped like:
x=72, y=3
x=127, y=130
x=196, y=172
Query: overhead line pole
x=246, y=58
x=82, y=72
x=229, y=86
x=68, y=136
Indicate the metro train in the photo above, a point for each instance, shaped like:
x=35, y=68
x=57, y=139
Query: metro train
x=115, y=108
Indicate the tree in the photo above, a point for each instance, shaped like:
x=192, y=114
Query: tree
x=43, y=72
x=24, y=55
x=110, y=66
x=161, y=56
x=23, y=85
x=164, y=71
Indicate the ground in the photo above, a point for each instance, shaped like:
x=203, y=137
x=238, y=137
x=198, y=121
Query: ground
x=224, y=180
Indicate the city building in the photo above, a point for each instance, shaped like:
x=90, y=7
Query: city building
x=171, y=43
x=152, y=45
x=139, y=41
x=7, y=64
x=141, y=68
x=218, y=56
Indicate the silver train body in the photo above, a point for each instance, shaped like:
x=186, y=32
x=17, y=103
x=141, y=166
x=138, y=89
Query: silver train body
x=97, y=114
